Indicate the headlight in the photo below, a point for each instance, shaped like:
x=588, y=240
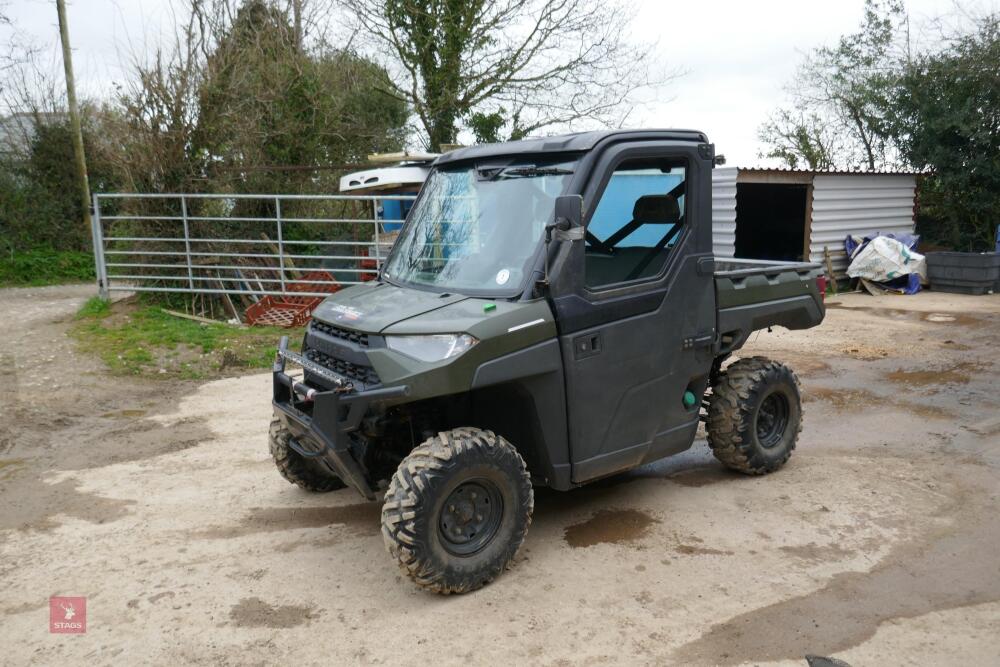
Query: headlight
x=437, y=347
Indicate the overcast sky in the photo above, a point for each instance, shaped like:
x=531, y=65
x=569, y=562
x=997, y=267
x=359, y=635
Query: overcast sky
x=737, y=55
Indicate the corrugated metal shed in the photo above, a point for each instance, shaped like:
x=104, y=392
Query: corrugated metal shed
x=841, y=203
x=826, y=172
x=858, y=204
x=724, y=211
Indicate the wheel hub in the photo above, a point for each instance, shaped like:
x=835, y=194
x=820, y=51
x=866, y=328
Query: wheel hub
x=470, y=516
x=772, y=419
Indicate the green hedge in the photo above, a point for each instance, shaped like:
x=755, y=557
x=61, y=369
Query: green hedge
x=45, y=267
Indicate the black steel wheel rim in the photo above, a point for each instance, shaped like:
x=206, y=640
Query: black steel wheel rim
x=772, y=420
x=470, y=517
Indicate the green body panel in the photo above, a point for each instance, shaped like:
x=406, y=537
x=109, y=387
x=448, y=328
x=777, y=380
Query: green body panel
x=371, y=307
x=740, y=283
x=390, y=311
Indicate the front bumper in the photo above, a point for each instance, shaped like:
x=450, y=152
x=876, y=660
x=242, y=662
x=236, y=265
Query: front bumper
x=335, y=413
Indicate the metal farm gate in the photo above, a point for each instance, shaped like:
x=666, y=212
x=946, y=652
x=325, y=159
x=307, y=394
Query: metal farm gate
x=252, y=246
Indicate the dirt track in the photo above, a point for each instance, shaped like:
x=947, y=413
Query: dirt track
x=877, y=544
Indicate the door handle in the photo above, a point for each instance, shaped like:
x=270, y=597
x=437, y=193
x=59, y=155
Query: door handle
x=587, y=346
x=698, y=340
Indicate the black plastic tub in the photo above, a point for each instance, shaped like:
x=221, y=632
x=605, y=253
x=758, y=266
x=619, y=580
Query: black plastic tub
x=964, y=272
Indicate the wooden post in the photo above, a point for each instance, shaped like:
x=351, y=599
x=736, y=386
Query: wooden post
x=74, y=116
x=297, y=24
x=831, y=280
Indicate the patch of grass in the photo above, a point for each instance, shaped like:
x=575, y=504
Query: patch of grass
x=34, y=268
x=94, y=308
x=136, y=339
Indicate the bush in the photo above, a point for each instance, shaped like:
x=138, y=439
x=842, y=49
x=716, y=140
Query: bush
x=45, y=267
x=39, y=197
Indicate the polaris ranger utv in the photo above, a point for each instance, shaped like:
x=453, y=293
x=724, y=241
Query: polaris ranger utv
x=551, y=314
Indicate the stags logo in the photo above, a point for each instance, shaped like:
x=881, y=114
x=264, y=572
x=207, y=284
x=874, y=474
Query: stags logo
x=68, y=615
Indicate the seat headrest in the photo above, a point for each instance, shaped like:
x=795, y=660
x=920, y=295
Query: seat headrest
x=656, y=210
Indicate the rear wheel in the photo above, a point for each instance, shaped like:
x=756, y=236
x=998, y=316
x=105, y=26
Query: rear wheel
x=754, y=415
x=297, y=469
x=457, y=510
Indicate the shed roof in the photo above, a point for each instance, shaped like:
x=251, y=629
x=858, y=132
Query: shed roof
x=832, y=172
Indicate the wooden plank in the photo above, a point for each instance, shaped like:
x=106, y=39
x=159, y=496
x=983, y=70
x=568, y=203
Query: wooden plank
x=289, y=264
x=226, y=301
x=194, y=318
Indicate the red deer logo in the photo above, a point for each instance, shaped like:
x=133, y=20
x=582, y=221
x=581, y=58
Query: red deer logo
x=68, y=615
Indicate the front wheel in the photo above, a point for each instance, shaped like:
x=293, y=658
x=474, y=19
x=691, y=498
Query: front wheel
x=305, y=473
x=457, y=510
x=754, y=415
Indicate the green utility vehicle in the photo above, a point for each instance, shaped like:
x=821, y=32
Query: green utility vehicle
x=550, y=314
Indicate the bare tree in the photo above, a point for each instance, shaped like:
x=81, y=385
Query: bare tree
x=507, y=65
x=8, y=55
x=18, y=50
x=840, y=93
x=800, y=139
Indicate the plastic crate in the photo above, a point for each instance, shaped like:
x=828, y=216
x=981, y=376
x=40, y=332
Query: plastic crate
x=292, y=311
x=964, y=272
x=281, y=312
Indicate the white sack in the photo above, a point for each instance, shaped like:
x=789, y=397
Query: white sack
x=884, y=259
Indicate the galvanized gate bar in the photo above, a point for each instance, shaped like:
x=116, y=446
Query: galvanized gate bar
x=97, y=239
x=132, y=253
x=187, y=242
x=281, y=246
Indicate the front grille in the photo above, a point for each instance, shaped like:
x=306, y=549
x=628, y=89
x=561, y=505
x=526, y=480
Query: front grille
x=363, y=374
x=339, y=332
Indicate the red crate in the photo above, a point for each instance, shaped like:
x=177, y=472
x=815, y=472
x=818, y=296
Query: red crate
x=292, y=311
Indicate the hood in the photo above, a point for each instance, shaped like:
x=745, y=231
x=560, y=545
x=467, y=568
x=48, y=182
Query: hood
x=373, y=307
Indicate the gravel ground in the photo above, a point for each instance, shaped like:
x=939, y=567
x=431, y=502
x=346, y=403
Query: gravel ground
x=157, y=501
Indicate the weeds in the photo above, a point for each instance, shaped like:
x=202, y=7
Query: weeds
x=137, y=339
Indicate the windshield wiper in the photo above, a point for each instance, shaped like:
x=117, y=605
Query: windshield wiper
x=494, y=173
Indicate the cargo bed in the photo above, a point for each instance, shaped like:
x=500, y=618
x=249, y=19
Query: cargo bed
x=755, y=294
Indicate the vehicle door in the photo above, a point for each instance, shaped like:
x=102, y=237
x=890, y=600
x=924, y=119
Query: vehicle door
x=636, y=307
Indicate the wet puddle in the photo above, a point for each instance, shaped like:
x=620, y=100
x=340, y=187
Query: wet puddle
x=695, y=550
x=36, y=511
x=945, y=570
x=698, y=477
x=845, y=400
x=255, y=613
x=808, y=366
x=817, y=553
x=124, y=414
x=958, y=374
x=9, y=467
x=609, y=527
x=4, y=463
x=960, y=319
x=273, y=519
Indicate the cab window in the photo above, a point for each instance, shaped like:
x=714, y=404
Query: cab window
x=638, y=220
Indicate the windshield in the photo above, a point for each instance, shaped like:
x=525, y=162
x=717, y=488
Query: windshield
x=476, y=228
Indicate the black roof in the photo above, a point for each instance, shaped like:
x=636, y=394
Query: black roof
x=565, y=143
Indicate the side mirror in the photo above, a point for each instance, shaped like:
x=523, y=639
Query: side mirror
x=568, y=212
x=566, y=225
